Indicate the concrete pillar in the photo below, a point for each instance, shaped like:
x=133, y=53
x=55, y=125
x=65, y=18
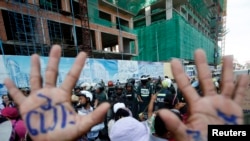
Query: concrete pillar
x=148, y=15
x=131, y=23
x=120, y=43
x=65, y=5
x=136, y=47
x=34, y=2
x=3, y=35
x=169, y=9
x=98, y=40
x=43, y=30
x=113, y=21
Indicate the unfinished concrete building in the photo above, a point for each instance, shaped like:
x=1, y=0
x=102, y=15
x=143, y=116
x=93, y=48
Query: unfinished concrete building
x=95, y=26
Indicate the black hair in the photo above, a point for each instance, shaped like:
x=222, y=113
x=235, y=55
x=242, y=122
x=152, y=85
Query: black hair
x=171, y=100
x=160, y=128
x=131, y=80
x=121, y=113
x=129, y=85
x=4, y=95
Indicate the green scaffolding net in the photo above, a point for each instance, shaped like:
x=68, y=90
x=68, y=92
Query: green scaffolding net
x=200, y=7
x=132, y=6
x=175, y=38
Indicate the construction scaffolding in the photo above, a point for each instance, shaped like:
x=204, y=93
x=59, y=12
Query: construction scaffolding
x=26, y=37
x=174, y=38
x=194, y=24
x=33, y=28
x=86, y=34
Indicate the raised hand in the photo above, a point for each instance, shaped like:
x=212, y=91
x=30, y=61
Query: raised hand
x=47, y=111
x=210, y=109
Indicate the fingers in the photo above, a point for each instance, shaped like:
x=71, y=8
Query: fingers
x=52, y=67
x=97, y=116
x=227, y=77
x=241, y=88
x=183, y=83
x=74, y=72
x=15, y=93
x=35, y=73
x=173, y=124
x=204, y=73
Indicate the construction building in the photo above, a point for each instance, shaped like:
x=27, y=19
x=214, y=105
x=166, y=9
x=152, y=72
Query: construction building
x=149, y=30
x=169, y=29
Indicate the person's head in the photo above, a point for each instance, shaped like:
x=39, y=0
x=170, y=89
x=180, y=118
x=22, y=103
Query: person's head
x=120, y=110
x=85, y=86
x=5, y=98
x=85, y=97
x=110, y=83
x=171, y=100
x=160, y=128
x=121, y=113
x=129, y=86
x=165, y=83
x=119, y=89
x=129, y=129
x=131, y=80
x=144, y=79
x=99, y=88
x=10, y=113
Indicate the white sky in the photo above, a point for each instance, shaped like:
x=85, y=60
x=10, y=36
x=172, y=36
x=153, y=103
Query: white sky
x=238, y=25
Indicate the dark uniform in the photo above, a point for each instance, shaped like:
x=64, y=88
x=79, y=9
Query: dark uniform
x=131, y=101
x=144, y=91
x=161, y=98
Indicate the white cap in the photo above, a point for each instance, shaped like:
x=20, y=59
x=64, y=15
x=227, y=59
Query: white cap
x=86, y=93
x=129, y=129
x=86, y=85
x=117, y=106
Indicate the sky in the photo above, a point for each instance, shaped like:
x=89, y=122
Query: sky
x=238, y=26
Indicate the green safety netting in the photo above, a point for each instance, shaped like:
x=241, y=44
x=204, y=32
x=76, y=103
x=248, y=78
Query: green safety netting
x=174, y=38
x=132, y=6
x=200, y=7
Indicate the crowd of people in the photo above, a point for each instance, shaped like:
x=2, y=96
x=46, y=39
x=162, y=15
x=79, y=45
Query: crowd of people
x=152, y=109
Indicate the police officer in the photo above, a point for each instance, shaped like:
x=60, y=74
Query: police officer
x=100, y=94
x=110, y=89
x=131, y=101
x=118, y=95
x=162, y=94
x=144, y=92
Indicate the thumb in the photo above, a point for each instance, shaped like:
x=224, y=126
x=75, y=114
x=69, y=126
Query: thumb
x=174, y=125
x=97, y=116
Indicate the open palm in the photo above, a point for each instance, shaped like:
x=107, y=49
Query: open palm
x=47, y=111
x=212, y=108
